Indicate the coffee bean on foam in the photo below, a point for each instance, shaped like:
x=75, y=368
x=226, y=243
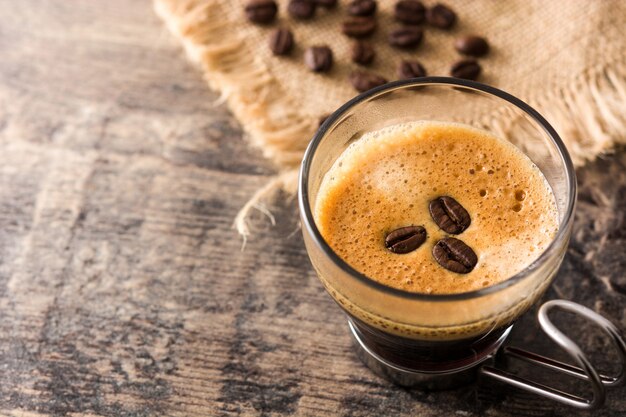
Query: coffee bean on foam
x=405, y=239
x=449, y=215
x=454, y=255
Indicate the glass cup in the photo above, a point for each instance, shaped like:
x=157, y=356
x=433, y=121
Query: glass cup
x=400, y=333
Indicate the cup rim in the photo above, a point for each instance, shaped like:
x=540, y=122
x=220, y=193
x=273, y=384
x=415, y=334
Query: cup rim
x=314, y=233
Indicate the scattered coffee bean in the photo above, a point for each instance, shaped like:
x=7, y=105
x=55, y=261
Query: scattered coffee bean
x=406, y=37
x=441, y=16
x=410, y=69
x=301, y=9
x=363, y=81
x=466, y=68
x=281, y=41
x=362, y=53
x=358, y=26
x=322, y=119
x=261, y=11
x=327, y=4
x=471, y=45
x=318, y=58
x=405, y=239
x=362, y=7
x=454, y=255
x=449, y=215
x=411, y=12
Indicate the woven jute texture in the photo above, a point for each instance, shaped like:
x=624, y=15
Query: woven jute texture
x=566, y=58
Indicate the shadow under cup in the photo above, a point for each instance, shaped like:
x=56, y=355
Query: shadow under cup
x=435, y=333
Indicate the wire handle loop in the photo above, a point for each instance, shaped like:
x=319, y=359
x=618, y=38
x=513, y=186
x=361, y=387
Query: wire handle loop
x=584, y=370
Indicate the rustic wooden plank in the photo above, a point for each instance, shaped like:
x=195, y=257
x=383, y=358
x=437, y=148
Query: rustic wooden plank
x=123, y=288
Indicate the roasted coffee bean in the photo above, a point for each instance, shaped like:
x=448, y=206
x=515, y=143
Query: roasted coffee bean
x=362, y=7
x=327, y=4
x=301, y=9
x=318, y=58
x=261, y=11
x=281, y=41
x=411, y=12
x=358, y=26
x=406, y=37
x=405, y=239
x=363, y=81
x=362, y=53
x=454, y=255
x=410, y=69
x=471, y=45
x=449, y=215
x=441, y=16
x=466, y=68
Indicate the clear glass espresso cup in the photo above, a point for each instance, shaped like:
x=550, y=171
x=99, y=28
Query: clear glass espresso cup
x=434, y=334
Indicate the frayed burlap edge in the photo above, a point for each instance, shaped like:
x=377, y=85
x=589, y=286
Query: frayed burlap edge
x=273, y=122
x=248, y=87
x=587, y=111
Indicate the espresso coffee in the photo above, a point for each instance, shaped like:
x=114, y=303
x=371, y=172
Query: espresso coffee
x=394, y=177
x=436, y=208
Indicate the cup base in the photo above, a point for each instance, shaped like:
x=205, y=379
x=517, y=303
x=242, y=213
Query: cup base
x=415, y=378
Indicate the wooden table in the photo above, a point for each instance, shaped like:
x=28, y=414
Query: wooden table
x=123, y=289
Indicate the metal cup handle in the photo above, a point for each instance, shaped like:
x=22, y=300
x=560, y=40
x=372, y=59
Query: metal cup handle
x=584, y=371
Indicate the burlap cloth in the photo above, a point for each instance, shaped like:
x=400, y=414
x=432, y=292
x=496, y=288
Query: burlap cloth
x=566, y=58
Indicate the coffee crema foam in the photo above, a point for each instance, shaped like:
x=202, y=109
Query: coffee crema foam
x=386, y=179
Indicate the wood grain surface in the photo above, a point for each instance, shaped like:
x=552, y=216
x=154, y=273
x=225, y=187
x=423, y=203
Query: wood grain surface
x=123, y=288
